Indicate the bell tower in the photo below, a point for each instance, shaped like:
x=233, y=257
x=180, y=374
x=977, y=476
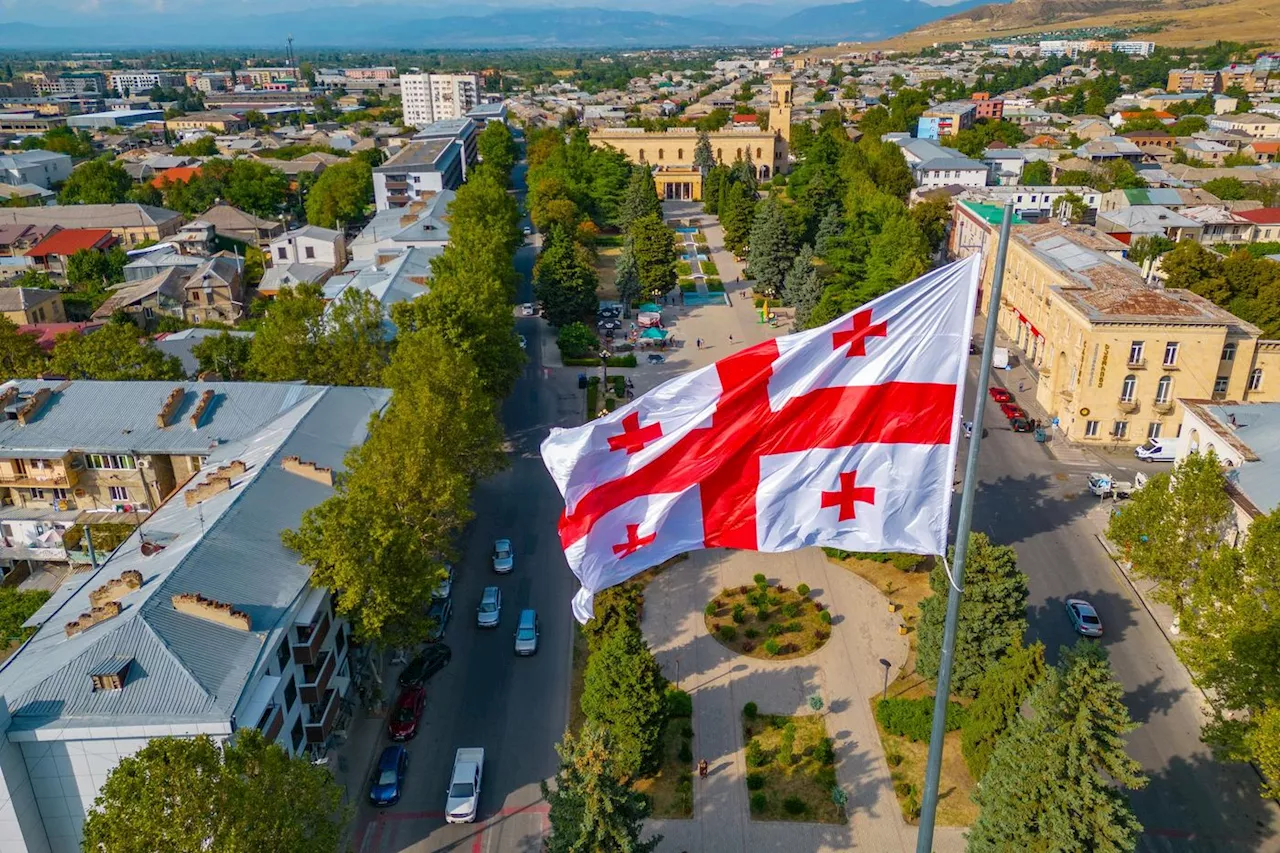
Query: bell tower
x=781, y=88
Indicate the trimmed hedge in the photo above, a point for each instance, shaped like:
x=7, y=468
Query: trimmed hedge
x=913, y=718
x=628, y=360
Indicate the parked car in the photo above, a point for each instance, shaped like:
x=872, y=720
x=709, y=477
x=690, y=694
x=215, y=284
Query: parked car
x=1156, y=450
x=489, y=613
x=439, y=612
x=388, y=776
x=1020, y=425
x=504, y=560
x=524, y=343
x=527, y=310
x=655, y=358
x=463, y=796
x=527, y=632
x=1012, y=410
x=1000, y=395
x=446, y=586
x=403, y=722
x=527, y=231
x=425, y=664
x=1084, y=618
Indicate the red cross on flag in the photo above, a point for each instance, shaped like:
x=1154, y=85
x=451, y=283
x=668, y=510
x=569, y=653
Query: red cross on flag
x=843, y=436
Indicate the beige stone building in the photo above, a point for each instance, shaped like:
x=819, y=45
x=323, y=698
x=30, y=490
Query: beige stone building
x=671, y=152
x=26, y=306
x=131, y=224
x=1109, y=353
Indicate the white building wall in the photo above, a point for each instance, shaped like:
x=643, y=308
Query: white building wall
x=21, y=826
x=949, y=177
x=415, y=99
x=295, y=251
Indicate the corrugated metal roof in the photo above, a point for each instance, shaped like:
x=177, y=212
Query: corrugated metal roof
x=111, y=665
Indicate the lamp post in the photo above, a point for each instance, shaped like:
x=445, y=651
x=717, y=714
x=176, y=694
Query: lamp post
x=605, y=355
x=887, y=666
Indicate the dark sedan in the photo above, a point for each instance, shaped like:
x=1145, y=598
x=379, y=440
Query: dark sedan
x=427, y=663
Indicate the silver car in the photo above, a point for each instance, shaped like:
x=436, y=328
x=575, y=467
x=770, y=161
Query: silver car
x=503, y=557
x=527, y=632
x=490, y=610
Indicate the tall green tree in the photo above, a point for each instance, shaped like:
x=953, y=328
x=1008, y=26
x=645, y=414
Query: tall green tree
x=737, y=213
x=341, y=194
x=564, y=279
x=1037, y=173
x=225, y=354
x=623, y=690
x=803, y=287
x=993, y=614
x=772, y=252
x=1056, y=781
x=829, y=228
x=290, y=339
x=641, y=198
x=20, y=356
x=115, y=352
x=703, y=157
x=743, y=172
x=652, y=246
x=590, y=810
x=498, y=148
x=357, y=344
x=187, y=795
x=1001, y=691
x=100, y=181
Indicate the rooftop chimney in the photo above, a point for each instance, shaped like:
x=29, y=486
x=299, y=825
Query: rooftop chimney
x=205, y=399
x=197, y=605
x=170, y=406
x=33, y=405
x=116, y=588
x=93, y=617
x=295, y=465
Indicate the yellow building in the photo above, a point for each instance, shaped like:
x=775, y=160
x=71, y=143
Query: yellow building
x=672, y=151
x=218, y=122
x=25, y=306
x=1110, y=354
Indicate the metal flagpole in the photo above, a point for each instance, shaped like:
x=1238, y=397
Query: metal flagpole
x=929, y=806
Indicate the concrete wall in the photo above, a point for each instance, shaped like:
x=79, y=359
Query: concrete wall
x=21, y=826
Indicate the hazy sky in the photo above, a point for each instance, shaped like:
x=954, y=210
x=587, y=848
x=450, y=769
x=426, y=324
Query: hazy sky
x=67, y=12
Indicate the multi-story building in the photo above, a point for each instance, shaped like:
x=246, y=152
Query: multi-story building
x=211, y=121
x=1194, y=80
x=987, y=107
x=1244, y=76
x=309, y=244
x=1258, y=125
x=140, y=82
x=946, y=119
x=1109, y=353
x=42, y=168
x=25, y=306
x=418, y=170
x=131, y=224
x=202, y=621
x=1134, y=48
x=428, y=98
x=1266, y=223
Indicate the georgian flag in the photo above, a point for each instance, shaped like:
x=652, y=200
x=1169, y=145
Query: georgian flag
x=843, y=436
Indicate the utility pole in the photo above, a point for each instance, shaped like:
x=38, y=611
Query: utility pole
x=933, y=770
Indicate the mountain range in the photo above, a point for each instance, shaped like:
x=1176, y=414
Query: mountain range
x=396, y=26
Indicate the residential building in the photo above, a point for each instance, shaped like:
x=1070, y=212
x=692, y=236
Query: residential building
x=28, y=122
x=214, y=122
x=428, y=98
x=1107, y=149
x=1148, y=220
x=1172, y=198
x=234, y=223
x=1266, y=223
x=1194, y=80
x=1219, y=225
x=933, y=165
x=1134, y=48
x=392, y=276
x=309, y=244
x=418, y=170
x=985, y=106
x=114, y=118
x=1245, y=438
x=946, y=119
x=1150, y=138
x=202, y=621
x=464, y=132
x=1109, y=353
x=1262, y=126
x=131, y=224
x=1243, y=76
x=16, y=239
x=484, y=114
x=26, y=306
x=146, y=300
x=41, y=168
x=141, y=82
x=215, y=291
x=51, y=253
x=1031, y=203
x=423, y=223
x=147, y=262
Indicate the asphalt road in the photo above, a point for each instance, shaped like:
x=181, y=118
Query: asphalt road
x=515, y=708
x=1029, y=500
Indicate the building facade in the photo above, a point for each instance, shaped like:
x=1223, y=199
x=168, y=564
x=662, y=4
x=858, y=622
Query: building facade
x=427, y=98
x=41, y=168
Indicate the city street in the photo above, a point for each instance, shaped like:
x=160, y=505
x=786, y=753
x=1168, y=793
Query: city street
x=1044, y=509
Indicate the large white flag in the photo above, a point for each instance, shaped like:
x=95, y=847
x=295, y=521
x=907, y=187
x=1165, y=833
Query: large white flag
x=842, y=436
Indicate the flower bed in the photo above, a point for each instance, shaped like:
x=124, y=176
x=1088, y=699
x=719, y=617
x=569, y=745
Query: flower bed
x=766, y=621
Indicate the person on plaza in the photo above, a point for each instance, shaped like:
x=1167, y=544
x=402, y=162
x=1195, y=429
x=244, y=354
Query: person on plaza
x=702, y=768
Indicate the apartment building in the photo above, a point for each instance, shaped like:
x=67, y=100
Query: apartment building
x=1244, y=76
x=131, y=224
x=428, y=98
x=201, y=622
x=25, y=306
x=987, y=107
x=141, y=81
x=211, y=121
x=1110, y=354
x=40, y=168
x=1193, y=80
x=946, y=119
x=420, y=169
x=1258, y=125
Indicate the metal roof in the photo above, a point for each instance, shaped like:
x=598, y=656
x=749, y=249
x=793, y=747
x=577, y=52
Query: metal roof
x=1258, y=428
x=227, y=548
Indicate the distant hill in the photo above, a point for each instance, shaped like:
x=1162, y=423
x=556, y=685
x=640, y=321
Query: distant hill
x=445, y=26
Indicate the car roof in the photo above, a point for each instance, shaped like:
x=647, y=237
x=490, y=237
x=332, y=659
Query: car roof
x=390, y=757
x=490, y=592
x=502, y=543
x=1080, y=604
x=528, y=615
x=407, y=695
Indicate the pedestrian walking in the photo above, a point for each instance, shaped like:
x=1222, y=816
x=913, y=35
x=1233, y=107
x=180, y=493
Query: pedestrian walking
x=702, y=769
x=1021, y=386
x=730, y=339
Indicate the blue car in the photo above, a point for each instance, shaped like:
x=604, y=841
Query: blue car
x=388, y=776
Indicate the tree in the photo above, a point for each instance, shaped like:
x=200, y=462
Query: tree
x=623, y=689
x=737, y=212
x=803, y=287
x=64, y=140
x=703, y=157
x=829, y=228
x=201, y=146
x=590, y=810
x=772, y=252
x=188, y=795
x=100, y=181
x=641, y=198
x=225, y=354
x=257, y=119
x=357, y=343
x=993, y=614
x=382, y=539
x=932, y=216
x=114, y=352
x=1191, y=266
x=20, y=355
x=576, y=340
x=564, y=279
x=626, y=276
x=1150, y=247
x=899, y=254
x=1174, y=524
x=653, y=248
x=1001, y=692
x=498, y=149
x=340, y=194
x=289, y=341
x=1072, y=205
x=1037, y=173
x=743, y=172
x=252, y=186
x=1055, y=781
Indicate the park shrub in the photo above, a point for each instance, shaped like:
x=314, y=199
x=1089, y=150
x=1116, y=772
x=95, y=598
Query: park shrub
x=913, y=718
x=760, y=580
x=712, y=608
x=825, y=617
x=763, y=614
x=759, y=802
x=756, y=756
x=686, y=731
x=786, y=747
x=791, y=609
x=792, y=628
x=821, y=635
x=747, y=646
x=893, y=757
x=751, y=633
x=774, y=630
x=739, y=613
x=803, y=589
x=750, y=711
x=772, y=647
x=576, y=340
x=686, y=752
x=911, y=805
x=679, y=704
x=688, y=286
x=794, y=806
x=902, y=787
x=683, y=268
x=728, y=633
x=825, y=777
x=825, y=752
x=709, y=267
x=755, y=781
x=775, y=601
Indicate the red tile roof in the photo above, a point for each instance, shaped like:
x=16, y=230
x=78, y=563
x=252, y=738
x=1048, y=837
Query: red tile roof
x=1265, y=147
x=1261, y=215
x=746, y=118
x=176, y=174
x=46, y=334
x=68, y=241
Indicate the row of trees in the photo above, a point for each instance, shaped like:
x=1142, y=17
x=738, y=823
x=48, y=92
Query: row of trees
x=1247, y=286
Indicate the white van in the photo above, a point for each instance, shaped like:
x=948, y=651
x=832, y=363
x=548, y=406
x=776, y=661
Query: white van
x=1155, y=450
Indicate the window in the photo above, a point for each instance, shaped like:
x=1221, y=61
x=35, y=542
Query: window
x=1163, y=389
x=1255, y=379
x=282, y=655
x=1128, y=388
x=1135, y=352
x=37, y=494
x=1171, y=354
x=297, y=734
x=659, y=153
x=1090, y=429
x=1229, y=352
x=310, y=252
x=1153, y=429
x=340, y=639
x=283, y=253
x=290, y=695
x=102, y=460
x=679, y=153
x=1121, y=429
x=118, y=493
x=61, y=494
x=1220, y=384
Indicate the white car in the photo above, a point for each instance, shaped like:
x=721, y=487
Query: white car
x=463, y=796
x=489, y=613
x=1084, y=618
x=504, y=560
x=527, y=231
x=527, y=310
x=524, y=343
x=446, y=586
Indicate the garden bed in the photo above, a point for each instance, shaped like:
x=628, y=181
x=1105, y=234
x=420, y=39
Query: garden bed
x=907, y=759
x=791, y=770
x=709, y=267
x=771, y=622
x=688, y=287
x=670, y=790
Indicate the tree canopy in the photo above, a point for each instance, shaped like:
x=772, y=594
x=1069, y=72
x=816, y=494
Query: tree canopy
x=341, y=194
x=624, y=689
x=20, y=356
x=114, y=352
x=99, y=181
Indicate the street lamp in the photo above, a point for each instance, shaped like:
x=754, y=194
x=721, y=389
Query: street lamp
x=885, y=663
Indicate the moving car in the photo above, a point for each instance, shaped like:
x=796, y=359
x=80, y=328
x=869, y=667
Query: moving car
x=654, y=358
x=446, y=586
x=527, y=632
x=527, y=310
x=1155, y=450
x=425, y=664
x=403, y=722
x=463, y=796
x=527, y=231
x=439, y=612
x=503, y=558
x=524, y=343
x=1084, y=618
x=489, y=613
x=1000, y=395
x=1012, y=410
x=388, y=776
x=1020, y=425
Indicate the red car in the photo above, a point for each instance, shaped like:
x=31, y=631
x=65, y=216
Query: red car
x=403, y=722
x=1000, y=395
x=1012, y=410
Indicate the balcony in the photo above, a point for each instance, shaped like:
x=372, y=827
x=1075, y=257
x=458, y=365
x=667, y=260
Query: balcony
x=1165, y=408
x=315, y=678
x=40, y=478
x=1137, y=364
x=397, y=185
x=322, y=716
x=272, y=722
x=1127, y=406
x=308, y=651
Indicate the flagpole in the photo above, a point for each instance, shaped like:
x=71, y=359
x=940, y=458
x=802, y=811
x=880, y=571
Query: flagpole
x=933, y=771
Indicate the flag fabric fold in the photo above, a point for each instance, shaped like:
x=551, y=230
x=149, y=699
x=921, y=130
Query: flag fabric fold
x=843, y=436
